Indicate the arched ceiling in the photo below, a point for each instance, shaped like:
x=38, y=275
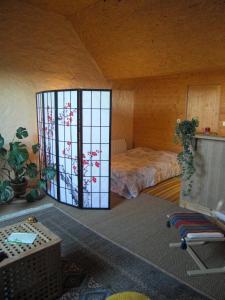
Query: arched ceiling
x=141, y=38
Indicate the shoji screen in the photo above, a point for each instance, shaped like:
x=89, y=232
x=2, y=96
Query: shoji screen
x=67, y=130
x=95, y=148
x=47, y=136
x=74, y=128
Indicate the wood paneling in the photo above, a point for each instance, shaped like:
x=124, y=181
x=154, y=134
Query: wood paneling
x=40, y=51
x=204, y=103
x=208, y=180
x=63, y=7
x=122, y=115
x=160, y=102
x=140, y=38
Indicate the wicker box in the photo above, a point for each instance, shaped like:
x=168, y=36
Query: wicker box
x=30, y=271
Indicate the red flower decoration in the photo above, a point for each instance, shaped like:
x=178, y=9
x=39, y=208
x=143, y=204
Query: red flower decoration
x=67, y=123
x=71, y=113
x=94, y=179
x=97, y=164
x=93, y=153
x=69, y=143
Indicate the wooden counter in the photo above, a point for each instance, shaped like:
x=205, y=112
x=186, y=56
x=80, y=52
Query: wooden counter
x=209, y=179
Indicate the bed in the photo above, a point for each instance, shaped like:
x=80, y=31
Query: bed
x=139, y=168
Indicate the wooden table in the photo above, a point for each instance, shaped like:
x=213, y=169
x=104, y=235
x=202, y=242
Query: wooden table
x=31, y=271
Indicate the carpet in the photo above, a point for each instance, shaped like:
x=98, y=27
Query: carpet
x=167, y=190
x=109, y=266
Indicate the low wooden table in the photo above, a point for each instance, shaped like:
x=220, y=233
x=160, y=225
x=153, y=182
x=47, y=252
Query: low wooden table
x=31, y=271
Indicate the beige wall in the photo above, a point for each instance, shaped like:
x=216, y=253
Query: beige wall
x=159, y=102
x=40, y=50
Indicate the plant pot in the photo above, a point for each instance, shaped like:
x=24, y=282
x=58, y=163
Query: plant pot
x=39, y=197
x=19, y=188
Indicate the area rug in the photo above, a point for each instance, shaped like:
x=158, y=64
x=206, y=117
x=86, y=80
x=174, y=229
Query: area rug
x=98, y=267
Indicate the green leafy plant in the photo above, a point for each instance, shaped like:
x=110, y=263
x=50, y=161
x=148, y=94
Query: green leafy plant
x=6, y=191
x=184, y=133
x=16, y=167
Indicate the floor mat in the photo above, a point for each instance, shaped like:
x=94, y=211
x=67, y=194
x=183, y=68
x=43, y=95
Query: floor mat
x=112, y=268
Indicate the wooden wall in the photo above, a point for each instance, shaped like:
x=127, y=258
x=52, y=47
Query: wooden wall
x=203, y=102
x=122, y=115
x=40, y=50
x=159, y=102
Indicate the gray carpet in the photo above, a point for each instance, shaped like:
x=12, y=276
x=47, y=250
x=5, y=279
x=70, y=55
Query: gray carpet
x=111, y=266
x=139, y=225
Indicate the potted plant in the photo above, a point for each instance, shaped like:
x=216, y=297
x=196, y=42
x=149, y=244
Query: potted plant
x=6, y=191
x=17, y=168
x=184, y=133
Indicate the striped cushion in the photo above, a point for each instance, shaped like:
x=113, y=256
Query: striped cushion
x=194, y=230
x=195, y=225
x=179, y=219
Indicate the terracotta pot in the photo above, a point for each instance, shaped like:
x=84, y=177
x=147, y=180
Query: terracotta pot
x=19, y=188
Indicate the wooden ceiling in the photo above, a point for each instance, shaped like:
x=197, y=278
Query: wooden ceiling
x=141, y=38
x=64, y=7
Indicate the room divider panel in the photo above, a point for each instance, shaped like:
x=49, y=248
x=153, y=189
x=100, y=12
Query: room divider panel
x=74, y=132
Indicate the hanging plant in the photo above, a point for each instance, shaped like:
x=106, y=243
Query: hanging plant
x=184, y=133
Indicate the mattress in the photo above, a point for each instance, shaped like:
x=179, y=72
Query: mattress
x=139, y=168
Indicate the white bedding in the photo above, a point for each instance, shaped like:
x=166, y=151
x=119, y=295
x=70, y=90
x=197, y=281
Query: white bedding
x=139, y=168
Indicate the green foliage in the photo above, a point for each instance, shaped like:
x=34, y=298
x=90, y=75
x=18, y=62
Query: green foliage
x=1, y=141
x=17, y=156
x=16, y=166
x=3, y=152
x=35, y=148
x=33, y=195
x=42, y=184
x=6, y=191
x=32, y=170
x=184, y=133
x=48, y=173
x=21, y=133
